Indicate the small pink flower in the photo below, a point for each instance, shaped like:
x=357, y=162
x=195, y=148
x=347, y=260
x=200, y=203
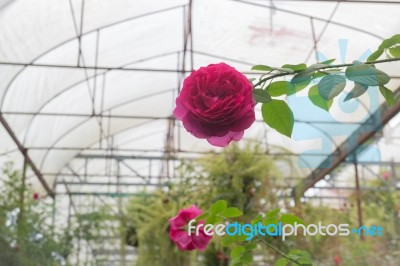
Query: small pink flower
x=386, y=175
x=36, y=196
x=179, y=234
x=337, y=260
x=216, y=103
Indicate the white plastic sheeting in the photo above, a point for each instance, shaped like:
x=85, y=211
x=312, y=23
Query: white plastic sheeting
x=63, y=95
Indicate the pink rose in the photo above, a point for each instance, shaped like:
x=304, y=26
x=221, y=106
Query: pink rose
x=216, y=103
x=386, y=175
x=179, y=234
x=36, y=196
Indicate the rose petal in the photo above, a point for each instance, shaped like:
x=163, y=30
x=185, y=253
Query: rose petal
x=180, y=110
x=225, y=140
x=200, y=242
x=181, y=238
x=245, y=121
x=202, y=130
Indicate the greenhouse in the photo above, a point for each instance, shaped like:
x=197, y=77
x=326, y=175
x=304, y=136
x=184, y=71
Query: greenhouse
x=199, y=132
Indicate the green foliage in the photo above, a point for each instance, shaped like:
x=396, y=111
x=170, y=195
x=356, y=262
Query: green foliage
x=241, y=255
x=261, y=96
x=278, y=116
x=261, y=68
x=26, y=235
x=331, y=86
x=237, y=185
x=280, y=88
x=317, y=100
x=149, y=218
x=389, y=46
x=394, y=52
x=358, y=90
x=232, y=212
x=288, y=218
x=297, y=67
x=367, y=75
x=242, y=252
x=301, y=257
x=387, y=94
x=303, y=76
x=330, y=81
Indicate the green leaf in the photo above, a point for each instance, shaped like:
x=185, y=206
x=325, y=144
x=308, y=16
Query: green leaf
x=303, y=76
x=251, y=245
x=295, y=67
x=218, y=207
x=302, y=257
x=387, y=94
x=232, y=212
x=281, y=262
x=300, y=253
x=237, y=251
x=247, y=258
x=288, y=218
x=268, y=221
x=328, y=62
x=333, y=71
x=298, y=87
x=395, y=39
x=375, y=55
x=279, y=88
x=317, y=100
x=395, y=51
x=288, y=70
x=256, y=219
x=274, y=213
x=212, y=219
x=202, y=216
x=278, y=116
x=261, y=96
x=367, y=75
x=235, y=262
x=319, y=75
x=357, y=91
x=261, y=68
x=228, y=240
x=331, y=86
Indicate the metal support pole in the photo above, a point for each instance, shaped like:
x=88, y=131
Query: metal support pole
x=20, y=219
x=358, y=195
x=27, y=158
x=120, y=214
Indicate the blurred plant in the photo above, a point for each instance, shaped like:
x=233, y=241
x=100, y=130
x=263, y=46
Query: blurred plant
x=241, y=177
x=26, y=235
x=146, y=226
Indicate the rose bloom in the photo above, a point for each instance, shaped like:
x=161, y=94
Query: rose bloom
x=216, y=103
x=36, y=196
x=178, y=232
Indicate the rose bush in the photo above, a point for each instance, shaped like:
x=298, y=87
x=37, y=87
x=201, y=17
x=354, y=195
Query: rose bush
x=178, y=233
x=216, y=104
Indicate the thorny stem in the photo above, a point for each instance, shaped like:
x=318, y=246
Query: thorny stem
x=324, y=67
x=278, y=251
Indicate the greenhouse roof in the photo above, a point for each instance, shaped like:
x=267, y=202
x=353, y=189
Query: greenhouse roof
x=88, y=87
